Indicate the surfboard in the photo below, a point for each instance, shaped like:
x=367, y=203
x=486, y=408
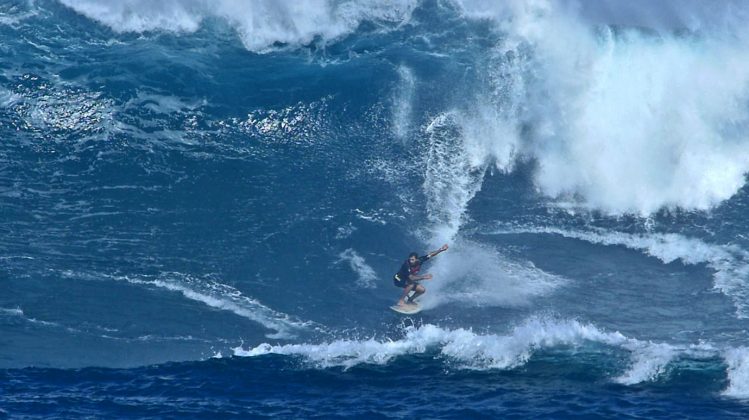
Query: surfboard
x=407, y=309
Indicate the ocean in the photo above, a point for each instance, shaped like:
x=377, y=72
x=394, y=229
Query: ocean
x=203, y=204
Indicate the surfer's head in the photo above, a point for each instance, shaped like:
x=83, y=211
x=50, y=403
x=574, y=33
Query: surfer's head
x=413, y=258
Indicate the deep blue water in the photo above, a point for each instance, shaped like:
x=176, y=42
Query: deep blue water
x=202, y=206
x=418, y=386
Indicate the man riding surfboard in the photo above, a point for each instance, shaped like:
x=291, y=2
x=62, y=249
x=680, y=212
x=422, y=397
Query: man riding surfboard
x=408, y=276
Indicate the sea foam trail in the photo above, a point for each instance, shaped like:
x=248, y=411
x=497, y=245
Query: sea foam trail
x=472, y=274
x=18, y=312
x=729, y=262
x=366, y=274
x=260, y=24
x=224, y=297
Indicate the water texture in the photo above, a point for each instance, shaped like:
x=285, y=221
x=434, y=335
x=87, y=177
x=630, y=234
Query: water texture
x=202, y=204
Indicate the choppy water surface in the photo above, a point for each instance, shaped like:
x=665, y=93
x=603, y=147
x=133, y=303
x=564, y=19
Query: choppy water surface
x=203, y=204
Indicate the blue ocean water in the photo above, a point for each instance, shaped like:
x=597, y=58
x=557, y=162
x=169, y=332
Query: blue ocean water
x=203, y=204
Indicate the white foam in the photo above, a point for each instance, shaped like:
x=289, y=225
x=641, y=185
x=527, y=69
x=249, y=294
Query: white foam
x=738, y=373
x=465, y=349
x=515, y=349
x=730, y=262
x=473, y=350
x=468, y=350
x=649, y=361
x=627, y=122
x=366, y=276
x=260, y=24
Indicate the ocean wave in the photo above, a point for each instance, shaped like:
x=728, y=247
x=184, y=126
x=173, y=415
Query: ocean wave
x=467, y=349
x=729, y=262
x=625, y=120
x=585, y=98
x=261, y=25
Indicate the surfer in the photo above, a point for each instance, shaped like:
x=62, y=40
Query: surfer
x=408, y=276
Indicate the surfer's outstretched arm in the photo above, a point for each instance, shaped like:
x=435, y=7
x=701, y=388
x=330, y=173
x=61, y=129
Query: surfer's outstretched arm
x=443, y=248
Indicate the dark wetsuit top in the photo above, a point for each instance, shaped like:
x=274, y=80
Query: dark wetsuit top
x=401, y=279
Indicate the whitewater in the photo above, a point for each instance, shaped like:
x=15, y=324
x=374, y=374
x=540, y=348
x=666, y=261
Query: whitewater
x=204, y=202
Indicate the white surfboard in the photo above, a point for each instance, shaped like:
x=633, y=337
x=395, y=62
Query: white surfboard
x=407, y=309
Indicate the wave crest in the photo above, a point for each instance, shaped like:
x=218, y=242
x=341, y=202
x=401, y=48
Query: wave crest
x=260, y=24
x=625, y=119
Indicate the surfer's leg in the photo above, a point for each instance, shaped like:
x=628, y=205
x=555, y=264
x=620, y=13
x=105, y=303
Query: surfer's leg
x=406, y=290
x=418, y=291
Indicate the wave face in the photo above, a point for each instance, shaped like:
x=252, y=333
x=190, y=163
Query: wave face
x=215, y=195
